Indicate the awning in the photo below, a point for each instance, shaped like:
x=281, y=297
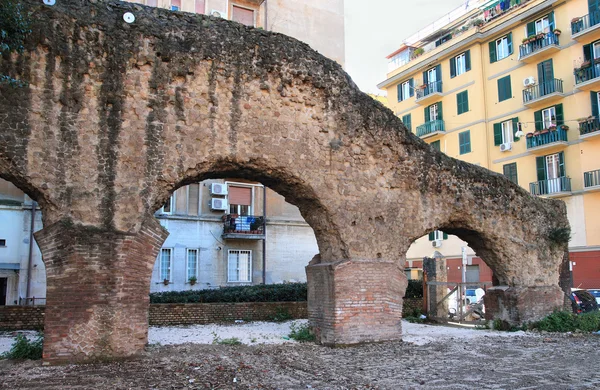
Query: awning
x=13, y=266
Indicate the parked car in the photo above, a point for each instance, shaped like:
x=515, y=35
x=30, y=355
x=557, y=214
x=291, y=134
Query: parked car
x=583, y=302
x=596, y=294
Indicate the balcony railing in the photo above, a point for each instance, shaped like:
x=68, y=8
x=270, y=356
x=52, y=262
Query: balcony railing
x=430, y=127
x=243, y=224
x=537, y=44
x=542, y=89
x=585, y=22
x=588, y=126
x=586, y=73
x=547, y=138
x=550, y=186
x=430, y=88
x=591, y=178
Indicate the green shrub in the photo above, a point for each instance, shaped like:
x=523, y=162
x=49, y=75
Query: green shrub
x=230, y=341
x=288, y=292
x=22, y=348
x=301, y=332
x=414, y=289
x=564, y=321
x=281, y=314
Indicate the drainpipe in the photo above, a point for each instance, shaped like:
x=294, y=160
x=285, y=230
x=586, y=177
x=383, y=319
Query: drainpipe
x=264, y=241
x=30, y=255
x=266, y=15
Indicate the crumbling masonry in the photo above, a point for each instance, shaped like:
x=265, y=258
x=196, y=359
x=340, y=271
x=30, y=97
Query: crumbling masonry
x=116, y=116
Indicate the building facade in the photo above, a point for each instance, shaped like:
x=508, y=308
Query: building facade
x=512, y=86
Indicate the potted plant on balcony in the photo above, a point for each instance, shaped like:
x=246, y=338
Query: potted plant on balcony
x=477, y=22
x=193, y=280
x=552, y=128
x=564, y=127
x=575, y=20
x=418, y=51
x=536, y=133
x=546, y=131
x=540, y=36
x=529, y=135
x=166, y=282
x=557, y=32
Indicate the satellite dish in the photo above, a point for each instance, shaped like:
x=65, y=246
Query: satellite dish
x=49, y=2
x=128, y=17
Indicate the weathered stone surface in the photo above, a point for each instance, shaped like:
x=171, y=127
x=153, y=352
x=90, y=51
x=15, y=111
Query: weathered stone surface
x=117, y=116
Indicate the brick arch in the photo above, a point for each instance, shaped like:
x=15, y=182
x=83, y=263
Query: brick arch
x=116, y=116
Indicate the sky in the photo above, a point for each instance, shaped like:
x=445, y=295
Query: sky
x=379, y=29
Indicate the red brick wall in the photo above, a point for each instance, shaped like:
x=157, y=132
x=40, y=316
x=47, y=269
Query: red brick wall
x=586, y=270
x=455, y=274
x=22, y=317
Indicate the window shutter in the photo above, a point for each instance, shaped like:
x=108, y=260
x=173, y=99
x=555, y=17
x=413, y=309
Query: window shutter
x=411, y=84
x=445, y=236
x=400, y=92
x=468, y=60
x=594, y=97
x=537, y=117
x=497, y=134
x=431, y=236
x=438, y=73
x=427, y=117
x=530, y=29
x=587, y=52
x=510, y=45
x=240, y=195
x=560, y=119
x=492, y=46
x=452, y=67
x=515, y=126
x=551, y=20
x=561, y=164
x=407, y=121
x=440, y=116
x=466, y=101
x=541, y=167
x=425, y=79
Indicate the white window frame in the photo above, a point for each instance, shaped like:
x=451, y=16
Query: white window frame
x=460, y=63
x=507, y=132
x=187, y=263
x=160, y=264
x=542, y=25
x=431, y=76
x=405, y=90
x=547, y=115
x=236, y=184
x=502, y=48
x=438, y=235
x=239, y=251
x=171, y=202
x=596, y=50
x=433, y=112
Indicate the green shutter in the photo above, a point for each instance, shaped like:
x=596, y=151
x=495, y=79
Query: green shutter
x=587, y=52
x=452, y=67
x=411, y=84
x=431, y=236
x=537, y=117
x=551, y=20
x=510, y=45
x=515, y=125
x=406, y=119
x=468, y=60
x=541, y=168
x=507, y=87
x=504, y=89
x=530, y=29
x=427, y=117
x=436, y=145
x=440, y=116
x=561, y=164
x=464, y=142
x=492, y=45
x=425, y=79
x=560, y=119
x=497, y=134
x=400, y=92
x=594, y=97
x=445, y=235
x=438, y=76
x=462, y=102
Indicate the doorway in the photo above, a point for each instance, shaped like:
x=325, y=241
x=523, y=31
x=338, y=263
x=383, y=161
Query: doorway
x=3, y=291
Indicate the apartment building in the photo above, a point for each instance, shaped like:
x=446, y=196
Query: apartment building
x=512, y=86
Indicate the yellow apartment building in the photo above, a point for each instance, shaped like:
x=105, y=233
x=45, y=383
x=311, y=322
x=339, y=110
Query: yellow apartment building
x=511, y=85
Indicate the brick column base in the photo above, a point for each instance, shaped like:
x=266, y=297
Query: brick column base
x=518, y=305
x=98, y=283
x=355, y=302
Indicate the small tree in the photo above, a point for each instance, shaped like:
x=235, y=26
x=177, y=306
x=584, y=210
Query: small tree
x=14, y=28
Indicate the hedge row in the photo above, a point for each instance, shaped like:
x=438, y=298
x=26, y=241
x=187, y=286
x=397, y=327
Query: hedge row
x=414, y=289
x=293, y=292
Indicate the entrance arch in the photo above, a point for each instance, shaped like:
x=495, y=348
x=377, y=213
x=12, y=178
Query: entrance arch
x=116, y=116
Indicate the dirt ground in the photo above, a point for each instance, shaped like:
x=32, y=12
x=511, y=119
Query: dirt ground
x=524, y=361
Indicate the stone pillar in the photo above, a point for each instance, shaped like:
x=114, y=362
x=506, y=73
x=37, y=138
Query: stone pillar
x=355, y=301
x=518, y=305
x=436, y=271
x=98, y=283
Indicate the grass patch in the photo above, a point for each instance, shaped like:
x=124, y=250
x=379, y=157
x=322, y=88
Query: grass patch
x=281, y=315
x=301, y=332
x=564, y=321
x=23, y=349
x=230, y=341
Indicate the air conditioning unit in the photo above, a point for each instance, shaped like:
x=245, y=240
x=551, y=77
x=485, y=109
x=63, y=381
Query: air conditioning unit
x=505, y=147
x=218, y=189
x=218, y=14
x=218, y=204
x=436, y=243
x=528, y=81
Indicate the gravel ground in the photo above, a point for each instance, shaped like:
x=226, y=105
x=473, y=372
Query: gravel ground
x=431, y=357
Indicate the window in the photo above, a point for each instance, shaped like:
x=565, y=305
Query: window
x=462, y=102
x=550, y=171
x=405, y=90
x=184, y=201
x=168, y=206
x=464, y=142
x=243, y=16
x=175, y=5
x=460, y=64
x=510, y=171
x=192, y=263
x=504, y=132
x=433, y=112
x=406, y=119
x=239, y=266
x=596, y=50
x=437, y=235
x=501, y=48
x=548, y=117
x=166, y=263
x=542, y=25
x=240, y=200
x=504, y=89
x=436, y=145
x=2, y=242
x=507, y=132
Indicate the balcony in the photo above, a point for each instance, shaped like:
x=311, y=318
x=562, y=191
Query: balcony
x=431, y=128
x=428, y=93
x=246, y=227
x=551, y=188
x=543, y=93
x=587, y=76
x=547, y=141
x=586, y=29
x=589, y=127
x=591, y=181
x=539, y=46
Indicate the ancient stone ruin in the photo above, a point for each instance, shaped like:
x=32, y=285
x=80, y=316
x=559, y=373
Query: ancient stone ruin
x=116, y=116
